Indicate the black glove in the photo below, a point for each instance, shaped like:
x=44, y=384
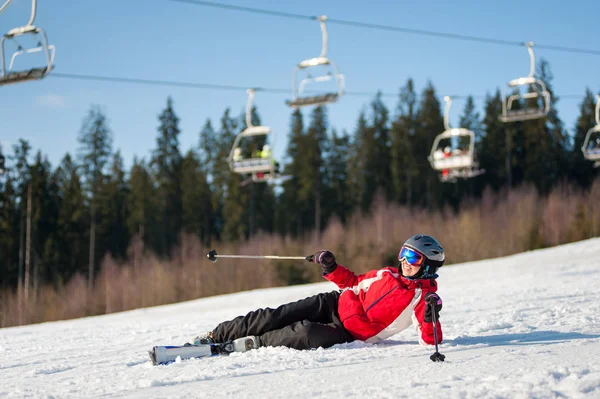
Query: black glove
x=434, y=304
x=326, y=259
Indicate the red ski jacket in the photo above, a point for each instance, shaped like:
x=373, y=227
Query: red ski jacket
x=380, y=303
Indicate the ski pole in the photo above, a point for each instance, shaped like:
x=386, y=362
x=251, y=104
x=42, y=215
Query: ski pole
x=212, y=256
x=437, y=356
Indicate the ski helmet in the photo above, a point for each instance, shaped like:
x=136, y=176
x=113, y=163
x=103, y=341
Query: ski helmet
x=433, y=252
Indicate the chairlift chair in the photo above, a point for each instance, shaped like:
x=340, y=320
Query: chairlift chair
x=591, y=143
x=261, y=168
x=9, y=76
x=302, y=100
x=537, y=93
x=454, y=165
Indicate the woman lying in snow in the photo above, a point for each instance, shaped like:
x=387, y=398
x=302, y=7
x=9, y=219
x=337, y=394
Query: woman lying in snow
x=370, y=307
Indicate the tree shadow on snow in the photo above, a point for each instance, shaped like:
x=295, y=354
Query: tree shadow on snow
x=530, y=338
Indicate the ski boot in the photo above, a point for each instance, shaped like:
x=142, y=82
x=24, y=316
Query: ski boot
x=204, y=339
x=241, y=344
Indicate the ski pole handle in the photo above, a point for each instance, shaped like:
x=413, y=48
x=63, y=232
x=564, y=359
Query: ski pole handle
x=212, y=256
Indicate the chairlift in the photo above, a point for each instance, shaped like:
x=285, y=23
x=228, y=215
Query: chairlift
x=9, y=75
x=450, y=154
x=261, y=167
x=302, y=100
x=591, y=144
x=536, y=94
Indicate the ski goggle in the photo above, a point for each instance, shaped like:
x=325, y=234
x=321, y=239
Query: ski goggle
x=411, y=256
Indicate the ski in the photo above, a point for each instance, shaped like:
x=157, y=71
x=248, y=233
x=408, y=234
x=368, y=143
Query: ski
x=168, y=354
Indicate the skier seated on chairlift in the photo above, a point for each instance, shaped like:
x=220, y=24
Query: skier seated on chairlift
x=266, y=154
x=370, y=307
x=447, y=154
x=237, y=154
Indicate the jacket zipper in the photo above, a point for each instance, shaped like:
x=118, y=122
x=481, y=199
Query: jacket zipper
x=380, y=298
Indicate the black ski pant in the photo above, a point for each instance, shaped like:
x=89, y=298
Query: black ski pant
x=305, y=324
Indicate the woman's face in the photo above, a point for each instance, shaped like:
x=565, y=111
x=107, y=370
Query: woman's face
x=409, y=270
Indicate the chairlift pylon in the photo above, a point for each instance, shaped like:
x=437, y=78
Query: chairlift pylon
x=301, y=100
x=537, y=93
x=262, y=166
x=7, y=75
x=591, y=143
x=453, y=161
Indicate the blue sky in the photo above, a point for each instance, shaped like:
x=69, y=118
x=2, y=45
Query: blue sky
x=165, y=40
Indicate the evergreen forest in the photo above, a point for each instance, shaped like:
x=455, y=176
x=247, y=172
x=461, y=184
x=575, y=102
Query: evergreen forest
x=89, y=236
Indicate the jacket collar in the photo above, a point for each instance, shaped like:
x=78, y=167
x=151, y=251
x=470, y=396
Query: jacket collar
x=419, y=283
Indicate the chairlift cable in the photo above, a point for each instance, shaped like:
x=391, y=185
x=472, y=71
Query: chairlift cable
x=389, y=28
x=156, y=82
x=247, y=9
x=198, y=85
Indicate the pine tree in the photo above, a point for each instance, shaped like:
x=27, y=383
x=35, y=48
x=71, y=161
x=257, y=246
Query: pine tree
x=72, y=220
x=208, y=148
x=142, y=206
x=402, y=162
x=234, y=203
x=22, y=171
x=49, y=202
x=2, y=161
x=471, y=120
x=44, y=214
x=288, y=202
x=196, y=199
x=303, y=192
x=491, y=149
x=211, y=158
x=113, y=233
x=375, y=145
x=381, y=133
x=338, y=201
x=95, y=139
x=543, y=156
x=311, y=173
x=430, y=123
x=9, y=229
x=356, y=166
x=166, y=164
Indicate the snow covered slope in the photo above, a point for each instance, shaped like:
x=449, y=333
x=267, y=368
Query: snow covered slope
x=523, y=326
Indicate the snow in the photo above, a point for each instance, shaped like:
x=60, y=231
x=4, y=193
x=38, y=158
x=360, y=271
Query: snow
x=523, y=326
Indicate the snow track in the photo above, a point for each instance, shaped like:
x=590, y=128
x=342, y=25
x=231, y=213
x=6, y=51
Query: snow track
x=523, y=326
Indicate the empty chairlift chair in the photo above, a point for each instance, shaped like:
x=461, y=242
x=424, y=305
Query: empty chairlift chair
x=452, y=153
x=532, y=103
x=591, y=144
x=300, y=98
x=8, y=75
